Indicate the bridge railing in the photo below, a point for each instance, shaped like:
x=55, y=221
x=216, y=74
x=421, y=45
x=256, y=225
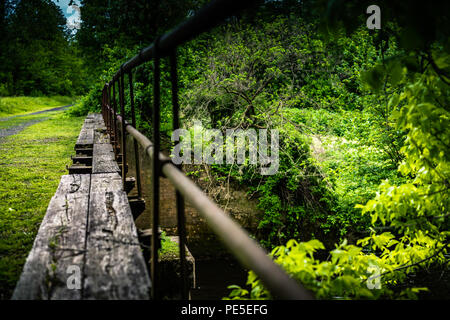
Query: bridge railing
x=247, y=251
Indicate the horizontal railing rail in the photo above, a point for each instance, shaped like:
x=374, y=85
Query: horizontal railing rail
x=246, y=250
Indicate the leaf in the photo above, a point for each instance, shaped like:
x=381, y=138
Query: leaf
x=374, y=77
x=395, y=72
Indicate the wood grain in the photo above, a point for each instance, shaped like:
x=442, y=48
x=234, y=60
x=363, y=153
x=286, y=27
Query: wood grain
x=60, y=243
x=88, y=225
x=115, y=267
x=103, y=160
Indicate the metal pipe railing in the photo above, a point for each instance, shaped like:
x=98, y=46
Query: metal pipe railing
x=247, y=251
x=181, y=219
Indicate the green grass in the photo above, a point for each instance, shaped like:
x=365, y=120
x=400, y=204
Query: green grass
x=169, y=249
x=31, y=164
x=10, y=106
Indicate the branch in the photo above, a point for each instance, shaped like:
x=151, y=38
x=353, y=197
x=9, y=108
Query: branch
x=410, y=265
x=441, y=73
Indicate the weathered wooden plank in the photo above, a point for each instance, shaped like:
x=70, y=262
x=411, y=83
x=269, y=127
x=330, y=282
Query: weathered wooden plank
x=101, y=183
x=85, y=138
x=59, y=244
x=103, y=160
x=94, y=125
x=104, y=149
x=46, y=274
x=95, y=116
x=100, y=136
x=74, y=184
x=94, y=121
x=86, y=126
x=115, y=267
x=100, y=165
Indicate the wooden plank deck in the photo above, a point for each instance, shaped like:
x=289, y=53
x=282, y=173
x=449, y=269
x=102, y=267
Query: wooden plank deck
x=113, y=248
x=92, y=123
x=103, y=160
x=86, y=138
x=60, y=243
x=89, y=229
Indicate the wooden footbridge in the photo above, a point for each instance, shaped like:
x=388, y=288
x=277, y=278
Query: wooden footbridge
x=87, y=246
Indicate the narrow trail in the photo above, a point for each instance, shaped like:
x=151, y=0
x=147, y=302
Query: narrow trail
x=12, y=130
x=37, y=112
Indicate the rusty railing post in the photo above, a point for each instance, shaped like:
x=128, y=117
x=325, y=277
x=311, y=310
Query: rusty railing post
x=181, y=220
x=110, y=115
x=123, y=147
x=156, y=173
x=108, y=102
x=103, y=102
x=136, y=146
x=115, y=119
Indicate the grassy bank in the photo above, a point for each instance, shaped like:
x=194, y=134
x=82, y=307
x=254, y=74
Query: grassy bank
x=10, y=106
x=31, y=164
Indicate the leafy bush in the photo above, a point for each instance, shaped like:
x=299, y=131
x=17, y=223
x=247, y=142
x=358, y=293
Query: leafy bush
x=415, y=210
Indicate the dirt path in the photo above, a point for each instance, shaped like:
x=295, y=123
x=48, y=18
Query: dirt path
x=12, y=130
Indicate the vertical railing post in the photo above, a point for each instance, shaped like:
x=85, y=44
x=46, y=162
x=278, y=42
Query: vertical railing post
x=119, y=134
x=105, y=107
x=136, y=146
x=106, y=117
x=109, y=111
x=156, y=173
x=181, y=220
x=123, y=147
x=103, y=102
x=114, y=118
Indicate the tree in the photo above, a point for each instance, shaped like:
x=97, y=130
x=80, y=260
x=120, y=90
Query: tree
x=127, y=23
x=38, y=56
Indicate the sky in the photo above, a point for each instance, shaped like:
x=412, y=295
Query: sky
x=72, y=15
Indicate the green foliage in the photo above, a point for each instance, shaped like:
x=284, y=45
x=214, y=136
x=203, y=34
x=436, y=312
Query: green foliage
x=126, y=24
x=91, y=102
x=283, y=75
x=350, y=273
x=414, y=209
x=88, y=103
x=36, y=55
